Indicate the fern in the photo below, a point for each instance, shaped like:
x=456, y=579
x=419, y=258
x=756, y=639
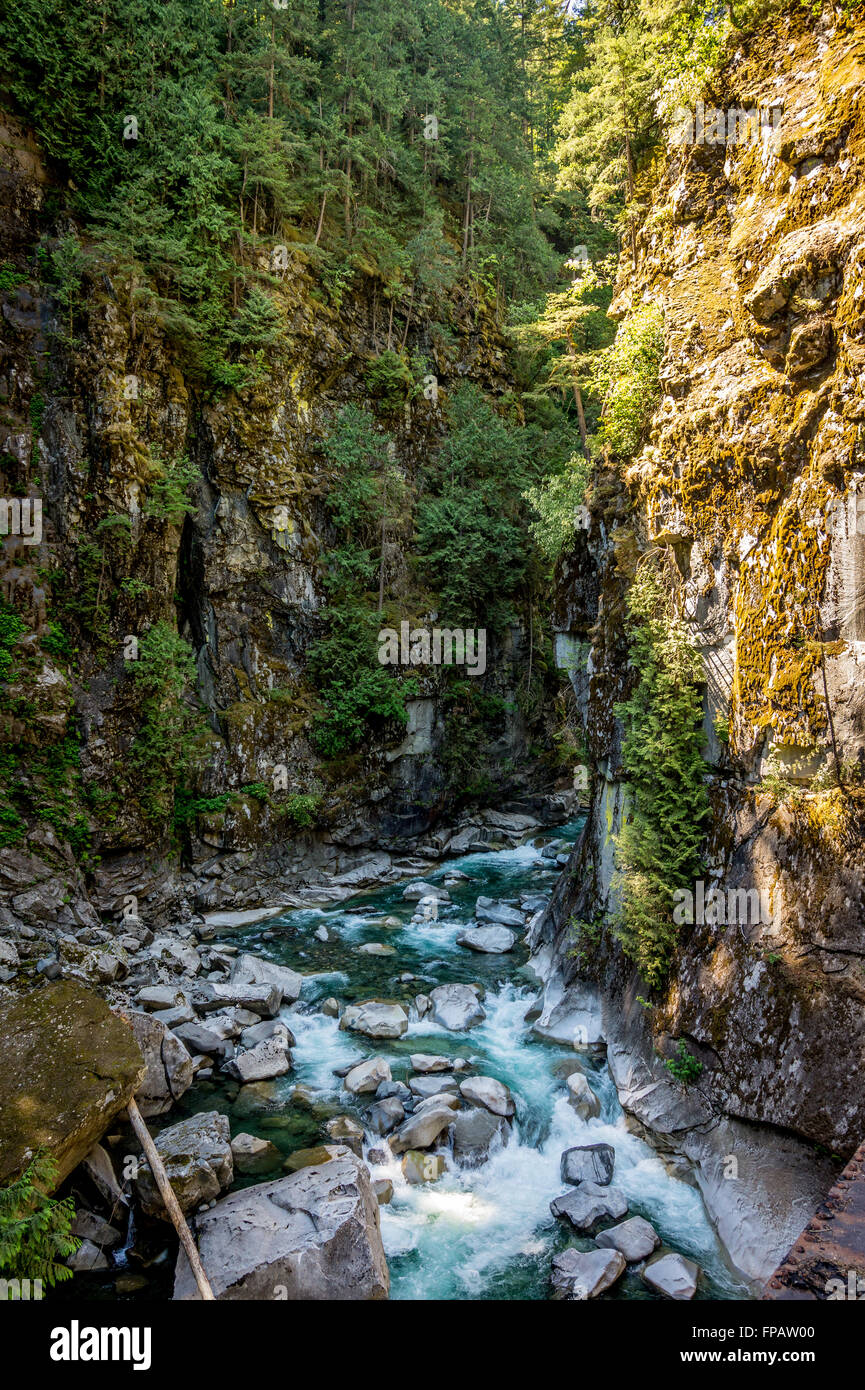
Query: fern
x=34, y=1228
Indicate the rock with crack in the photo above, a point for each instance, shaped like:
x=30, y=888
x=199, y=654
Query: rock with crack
x=376, y=1018
x=311, y=1236
x=491, y=1094
x=493, y=941
x=673, y=1276
x=456, y=1007
x=169, y=1071
x=588, y=1205
x=421, y=1130
x=635, y=1238
x=589, y=1163
x=252, y=970
x=198, y=1160
x=584, y=1274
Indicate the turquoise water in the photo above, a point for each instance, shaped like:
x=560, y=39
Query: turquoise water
x=487, y=1232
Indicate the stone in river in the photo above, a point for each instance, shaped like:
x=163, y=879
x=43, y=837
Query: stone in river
x=635, y=1238
x=376, y=948
x=423, y=1062
x=584, y=1274
x=588, y=1204
x=263, y=1062
x=494, y=941
x=420, y=1167
x=253, y=970
x=456, y=1007
x=254, y=1155
x=415, y=891
x=426, y=1086
x=419, y=1131
x=342, y=1129
x=582, y=1097
x=500, y=913
x=588, y=1163
x=383, y=1189
x=376, y=1019
x=198, y=1160
x=368, y=1076
x=385, y=1115
x=672, y=1275
x=477, y=1133
x=491, y=1094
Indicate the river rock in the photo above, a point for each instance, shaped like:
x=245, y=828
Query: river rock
x=252, y=970
x=385, y=1115
x=584, y=1274
x=588, y=1204
x=589, y=1163
x=263, y=999
x=421, y=1130
x=254, y=1155
x=488, y=911
x=494, y=941
x=393, y=1088
x=157, y=997
x=672, y=1275
x=313, y=1235
x=198, y=1160
x=89, y=1226
x=329, y=1007
x=376, y=1019
x=423, y=1005
x=415, y=891
x=635, y=1238
x=383, y=1189
x=261, y=1063
x=367, y=1076
x=581, y=1096
x=69, y=1066
x=443, y=1098
x=197, y=1038
x=426, y=1086
x=476, y=1134
x=456, y=1007
x=491, y=1094
x=315, y=1157
x=267, y=1028
x=376, y=948
x=87, y=1258
x=420, y=1167
x=426, y=1062
x=169, y=1065
x=342, y=1129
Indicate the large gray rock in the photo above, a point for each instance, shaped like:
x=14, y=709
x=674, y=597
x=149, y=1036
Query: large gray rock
x=415, y=891
x=198, y=1160
x=385, y=1115
x=477, y=1134
x=635, y=1238
x=426, y=1086
x=311, y=1236
x=199, y=1039
x=582, y=1097
x=588, y=1205
x=486, y=910
x=493, y=941
x=589, y=1163
x=425, y=1062
x=491, y=1094
x=263, y=999
x=584, y=1274
x=169, y=1066
x=375, y=1019
x=673, y=1275
x=263, y=1062
x=252, y=970
x=367, y=1076
x=421, y=1130
x=342, y=1129
x=456, y=1007
x=254, y=1155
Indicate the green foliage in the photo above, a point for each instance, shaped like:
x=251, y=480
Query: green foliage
x=659, y=847
x=556, y=502
x=11, y=628
x=390, y=380
x=10, y=277
x=684, y=1066
x=584, y=940
x=628, y=378
x=473, y=720
x=37, y=411
x=259, y=791
x=359, y=695
x=34, y=1228
x=164, y=751
x=302, y=809
x=169, y=494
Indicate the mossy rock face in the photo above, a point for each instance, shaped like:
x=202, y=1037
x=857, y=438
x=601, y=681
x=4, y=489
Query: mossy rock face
x=69, y=1066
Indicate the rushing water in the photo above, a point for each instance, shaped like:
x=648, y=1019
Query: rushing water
x=478, y=1233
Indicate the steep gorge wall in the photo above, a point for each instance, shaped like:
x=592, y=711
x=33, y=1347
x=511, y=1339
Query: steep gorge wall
x=752, y=486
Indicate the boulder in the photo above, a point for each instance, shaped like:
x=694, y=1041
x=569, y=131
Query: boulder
x=367, y=1076
x=254, y=1155
x=419, y=1167
x=70, y=1066
x=589, y=1163
x=385, y=1115
x=383, y=1189
x=584, y=1274
x=415, y=891
x=425, y=1062
x=673, y=1276
x=169, y=1071
x=582, y=1097
x=342, y=1129
x=491, y=1094
x=488, y=911
x=198, y=1160
x=313, y=1235
x=158, y=997
x=261, y=1063
x=376, y=948
x=421, y=1130
x=456, y=1007
x=393, y=1088
x=376, y=1019
x=252, y=970
x=312, y=1158
x=426, y=1086
x=263, y=999
x=588, y=1205
x=477, y=1133
x=330, y=1007
x=87, y=1258
x=267, y=1028
x=494, y=941
x=443, y=1098
x=635, y=1238
x=198, y=1039
x=88, y=1226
